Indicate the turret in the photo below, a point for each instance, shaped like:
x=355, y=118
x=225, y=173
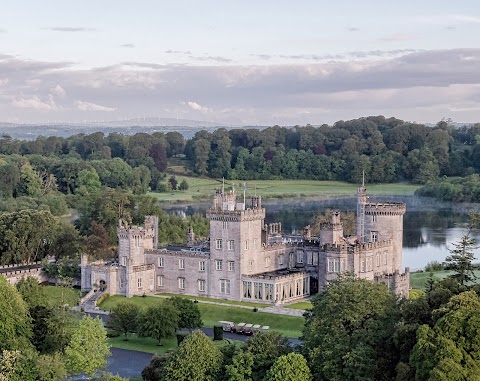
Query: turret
x=332, y=231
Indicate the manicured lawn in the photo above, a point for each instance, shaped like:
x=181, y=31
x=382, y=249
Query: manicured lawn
x=58, y=295
x=149, y=345
x=289, y=326
x=203, y=188
x=418, y=280
x=307, y=304
x=200, y=299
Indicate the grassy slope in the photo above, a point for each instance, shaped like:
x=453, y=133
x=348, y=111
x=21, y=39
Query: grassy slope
x=58, y=295
x=203, y=188
x=419, y=279
x=200, y=298
x=300, y=305
x=289, y=326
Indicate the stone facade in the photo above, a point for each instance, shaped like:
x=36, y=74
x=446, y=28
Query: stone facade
x=246, y=260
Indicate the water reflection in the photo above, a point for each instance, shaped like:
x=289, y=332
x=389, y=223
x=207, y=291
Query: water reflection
x=429, y=226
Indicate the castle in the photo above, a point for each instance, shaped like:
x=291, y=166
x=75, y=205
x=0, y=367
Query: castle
x=246, y=260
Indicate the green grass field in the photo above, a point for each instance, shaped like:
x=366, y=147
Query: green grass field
x=300, y=305
x=58, y=295
x=203, y=299
x=203, y=188
x=149, y=345
x=418, y=280
x=289, y=326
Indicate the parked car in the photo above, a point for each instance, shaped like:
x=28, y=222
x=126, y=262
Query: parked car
x=240, y=328
x=228, y=326
x=248, y=329
x=256, y=328
x=265, y=328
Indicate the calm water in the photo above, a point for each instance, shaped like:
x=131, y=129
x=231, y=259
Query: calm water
x=429, y=226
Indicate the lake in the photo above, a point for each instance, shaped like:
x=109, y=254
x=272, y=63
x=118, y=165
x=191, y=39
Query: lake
x=429, y=226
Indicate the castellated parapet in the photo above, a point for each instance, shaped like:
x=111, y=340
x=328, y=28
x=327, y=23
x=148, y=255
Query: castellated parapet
x=385, y=208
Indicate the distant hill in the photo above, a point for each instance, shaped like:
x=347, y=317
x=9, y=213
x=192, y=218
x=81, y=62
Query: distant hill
x=128, y=127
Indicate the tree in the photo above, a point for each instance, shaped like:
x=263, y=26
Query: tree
x=15, y=324
x=159, y=322
x=196, y=359
x=159, y=156
x=88, y=349
x=88, y=182
x=291, y=367
x=348, y=333
x=30, y=182
x=183, y=185
x=461, y=258
x=188, y=312
x=241, y=367
x=17, y=366
x=97, y=244
x=450, y=350
x=51, y=367
x=265, y=348
x=124, y=318
x=173, y=182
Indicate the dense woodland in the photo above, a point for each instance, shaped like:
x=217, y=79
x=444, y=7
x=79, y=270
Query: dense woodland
x=98, y=178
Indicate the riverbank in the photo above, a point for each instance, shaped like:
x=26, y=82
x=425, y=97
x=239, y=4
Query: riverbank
x=201, y=189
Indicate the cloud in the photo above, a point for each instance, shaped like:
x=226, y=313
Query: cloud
x=3, y=30
x=178, y=51
x=413, y=85
x=197, y=107
x=58, y=91
x=127, y=45
x=69, y=29
x=34, y=103
x=88, y=106
x=353, y=29
x=211, y=58
x=3, y=81
x=399, y=37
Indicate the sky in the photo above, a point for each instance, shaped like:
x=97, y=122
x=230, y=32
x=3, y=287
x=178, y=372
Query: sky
x=239, y=62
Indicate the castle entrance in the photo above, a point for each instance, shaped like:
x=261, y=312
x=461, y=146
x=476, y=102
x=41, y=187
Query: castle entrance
x=102, y=285
x=313, y=286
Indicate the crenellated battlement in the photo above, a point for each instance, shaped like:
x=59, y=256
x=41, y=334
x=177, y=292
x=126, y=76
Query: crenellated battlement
x=235, y=215
x=385, y=208
x=355, y=249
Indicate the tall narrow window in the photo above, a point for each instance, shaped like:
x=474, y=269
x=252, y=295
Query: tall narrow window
x=280, y=260
x=218, y=244
x=160, y=261
x=225, y=225
x=231, y=266
x=246, y=244
x=181, y=264
x=201, y=285
x=139, y=282
x=231, y=245
x=160, y=280
x=224, y=286
x=201, y=266
x=181, y=283
x=218, y=264
x=374, y=235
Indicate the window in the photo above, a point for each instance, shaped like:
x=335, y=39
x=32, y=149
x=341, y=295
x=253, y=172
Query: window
x=246, y=244
x=369, y=263
x=385, y=254
x=218, y=244
x=299, y=256
x=181, y=264
x=201, y=266
x=218, y=264
x=225, y=225
x=280, y=259
x=247, y=289
x=181, y=283
x=309, y=257
x=374, y=218
x=257, y=290
x=330, y=264
x=137, y=241
x=374, y=236
x=343, y=264
x=139, y=282
x=160, y=280
x=160, y=261
x=250, y=265
x=377, y=259
x=231, y=245
x=267, y=261
x=124, y=261
x=201, y=285
x=315, y=258
x=224, y=286
x=336, y=265
x=231, y=266
x=362, y=266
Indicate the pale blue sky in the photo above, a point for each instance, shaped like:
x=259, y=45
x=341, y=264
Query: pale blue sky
x=239, y=62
